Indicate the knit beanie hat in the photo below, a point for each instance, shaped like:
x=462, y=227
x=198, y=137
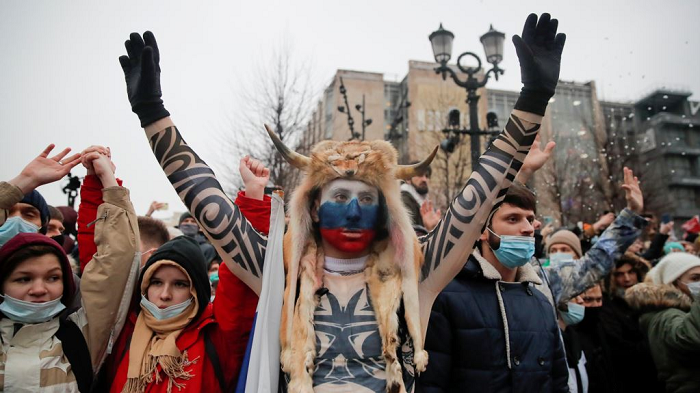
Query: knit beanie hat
x=185, y=252
x=183, y=217
x=35, y=199
x=567, y=237
x=670, y=246
x=22, y=240
x=673, y=266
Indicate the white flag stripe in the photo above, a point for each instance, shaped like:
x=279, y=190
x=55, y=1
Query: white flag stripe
x=263, y=368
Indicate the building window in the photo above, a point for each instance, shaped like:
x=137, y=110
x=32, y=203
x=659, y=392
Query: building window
x=684, y=197
x=679, y=166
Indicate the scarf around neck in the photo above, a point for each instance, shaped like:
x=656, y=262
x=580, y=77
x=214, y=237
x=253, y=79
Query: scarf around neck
x=154, y=343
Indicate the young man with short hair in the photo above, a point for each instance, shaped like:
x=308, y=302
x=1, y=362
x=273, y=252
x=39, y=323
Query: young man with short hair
x=490, y=330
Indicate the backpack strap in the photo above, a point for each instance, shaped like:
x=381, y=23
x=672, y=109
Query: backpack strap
x=76, y=350
x=213, y=356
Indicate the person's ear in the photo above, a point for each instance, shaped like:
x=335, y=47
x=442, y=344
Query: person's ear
x=484, y=236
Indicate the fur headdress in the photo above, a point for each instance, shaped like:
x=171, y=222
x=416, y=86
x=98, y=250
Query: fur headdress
x=392, y=270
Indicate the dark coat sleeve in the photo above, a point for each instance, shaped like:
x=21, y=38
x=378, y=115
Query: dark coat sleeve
x=438, y=343
x=656, y=248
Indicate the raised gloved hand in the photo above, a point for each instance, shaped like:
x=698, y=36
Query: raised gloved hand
x=142, y=73
x=539, y=51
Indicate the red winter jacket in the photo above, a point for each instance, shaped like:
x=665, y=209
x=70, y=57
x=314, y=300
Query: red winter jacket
x=90, y=200
x=228, y=322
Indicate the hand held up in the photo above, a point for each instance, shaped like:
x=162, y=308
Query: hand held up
x=255, y=177
x=141, y=68
x=43, y=170
x=103, y=168
x=633, y=193
x=539, y=51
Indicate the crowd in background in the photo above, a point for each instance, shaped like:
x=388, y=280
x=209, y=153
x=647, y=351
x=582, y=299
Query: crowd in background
x=102, y=299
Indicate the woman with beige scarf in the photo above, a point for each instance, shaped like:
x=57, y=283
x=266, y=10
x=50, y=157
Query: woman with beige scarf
x=181, y=341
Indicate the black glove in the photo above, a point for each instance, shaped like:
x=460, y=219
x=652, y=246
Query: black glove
x=142, y=72
x=539, y=51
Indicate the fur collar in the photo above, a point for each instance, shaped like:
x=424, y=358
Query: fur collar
x=412, y=190
x=526, y=273
x=650, y=297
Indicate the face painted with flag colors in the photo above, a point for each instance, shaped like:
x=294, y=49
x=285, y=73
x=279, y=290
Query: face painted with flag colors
x=347, y=216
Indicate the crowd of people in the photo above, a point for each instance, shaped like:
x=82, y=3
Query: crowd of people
x=382, y=292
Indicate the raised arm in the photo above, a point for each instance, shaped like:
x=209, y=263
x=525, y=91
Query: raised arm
x=448, y=246
x=41, y=170
x=241, y=247
x=568, y=280
x=115, y=265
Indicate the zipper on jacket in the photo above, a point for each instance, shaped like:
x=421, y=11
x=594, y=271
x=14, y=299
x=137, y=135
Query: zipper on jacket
x=104, y=217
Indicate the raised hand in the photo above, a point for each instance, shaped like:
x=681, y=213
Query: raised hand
x=633, y=193
x=43, y=170
x=255, y=177
x=430, y=216
x=141, y=69
x=102, y=166
x=155, y=205
x=539, y=51
x=666, y=228
x=99, y=149
x=603, y=222
x=535, y=159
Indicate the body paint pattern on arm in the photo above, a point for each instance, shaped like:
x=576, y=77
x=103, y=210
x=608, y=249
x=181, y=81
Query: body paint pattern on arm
x=217, y=215
x=452, y=241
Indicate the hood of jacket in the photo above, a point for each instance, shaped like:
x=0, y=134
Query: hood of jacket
x=646, y=297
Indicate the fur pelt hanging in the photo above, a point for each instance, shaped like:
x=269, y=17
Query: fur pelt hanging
x=392, y=270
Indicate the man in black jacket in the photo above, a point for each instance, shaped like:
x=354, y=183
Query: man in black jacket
x=490, y=330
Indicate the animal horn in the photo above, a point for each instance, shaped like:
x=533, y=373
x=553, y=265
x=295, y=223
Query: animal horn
x=406, y=172
x=295, y=159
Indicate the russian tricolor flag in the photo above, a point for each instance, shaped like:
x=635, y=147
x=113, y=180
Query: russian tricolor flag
x=261, y=366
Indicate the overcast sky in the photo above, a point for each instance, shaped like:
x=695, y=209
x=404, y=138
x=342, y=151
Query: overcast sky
x=61, y=81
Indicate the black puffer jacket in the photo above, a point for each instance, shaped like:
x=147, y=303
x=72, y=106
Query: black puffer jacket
x=486, y=335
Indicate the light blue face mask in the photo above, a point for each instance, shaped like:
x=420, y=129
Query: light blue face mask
x=13, y=226
x=559, y=258
x=29, y=312
x=164, y=313
x=574, y=315
x=514, y=251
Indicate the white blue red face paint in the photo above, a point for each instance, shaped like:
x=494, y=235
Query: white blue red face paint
x=348, y=214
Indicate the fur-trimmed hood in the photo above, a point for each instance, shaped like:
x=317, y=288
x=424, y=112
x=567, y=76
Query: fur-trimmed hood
x=646, y=297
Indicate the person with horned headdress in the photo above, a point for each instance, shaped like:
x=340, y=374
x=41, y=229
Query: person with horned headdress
x=359, y=283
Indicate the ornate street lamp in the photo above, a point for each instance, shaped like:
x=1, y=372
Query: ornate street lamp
x=492, y=41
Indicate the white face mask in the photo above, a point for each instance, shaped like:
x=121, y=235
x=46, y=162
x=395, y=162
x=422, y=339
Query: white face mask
x=164, y=313
x=29, y=312
x=560, y=257
x=694, y=288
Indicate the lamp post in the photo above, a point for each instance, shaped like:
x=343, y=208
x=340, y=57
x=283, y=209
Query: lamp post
x=360, y=108
x=492, y=41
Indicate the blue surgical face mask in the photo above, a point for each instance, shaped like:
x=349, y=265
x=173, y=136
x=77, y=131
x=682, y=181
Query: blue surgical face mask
x=514, y=251
x=574, y=315
x=164, y=313
x=559, y=258
x=29, y=312
x=13, y=226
